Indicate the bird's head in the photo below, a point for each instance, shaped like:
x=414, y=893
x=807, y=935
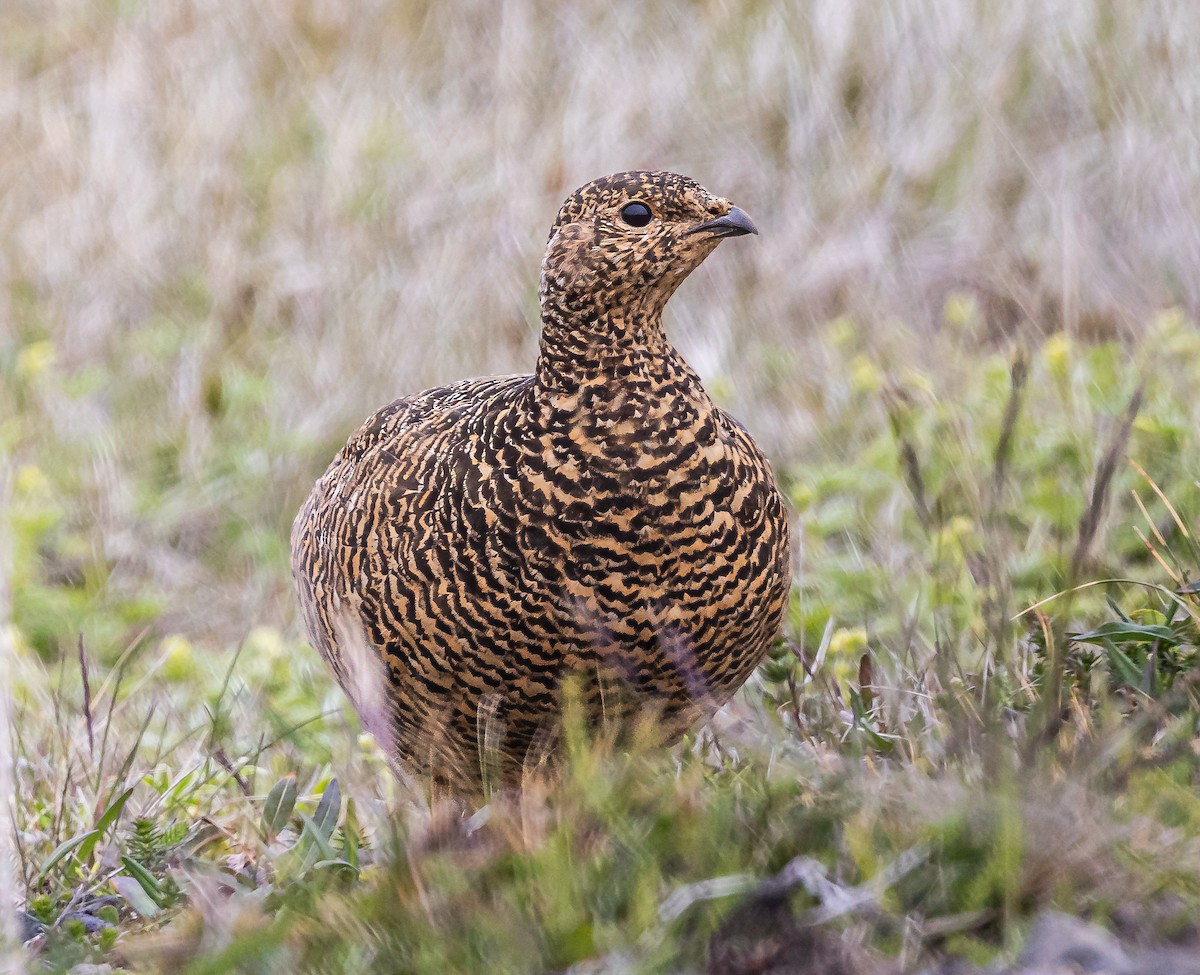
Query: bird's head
x=624, y=243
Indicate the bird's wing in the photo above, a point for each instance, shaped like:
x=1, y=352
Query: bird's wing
x=392, y=467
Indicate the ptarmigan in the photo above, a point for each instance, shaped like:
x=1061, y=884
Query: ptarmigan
x=473, y=545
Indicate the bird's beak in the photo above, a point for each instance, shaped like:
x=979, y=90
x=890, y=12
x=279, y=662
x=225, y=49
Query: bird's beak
x=734, y=224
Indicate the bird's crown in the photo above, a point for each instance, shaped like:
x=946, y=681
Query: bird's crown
x=666, y=195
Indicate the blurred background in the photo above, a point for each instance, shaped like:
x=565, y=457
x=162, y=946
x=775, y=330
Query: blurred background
x=231, y=231
x=228, y=232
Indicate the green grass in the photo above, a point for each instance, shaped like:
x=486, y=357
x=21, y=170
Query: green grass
x=967, y=339
x=897, y=744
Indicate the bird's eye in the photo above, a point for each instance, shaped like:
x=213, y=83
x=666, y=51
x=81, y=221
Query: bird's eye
x=636, y=214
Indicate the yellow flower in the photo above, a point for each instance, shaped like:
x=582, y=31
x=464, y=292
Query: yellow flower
x=846, y=646
x=179, y=663
x=802, y=496
x=720, y=388
x=1056, y=352
x=842, y=332
x=848, y=640
x=961, y=311
x=35, y=359
x=266, y=642
x=865, y=376
x=919, y=382
x=30, y=480
x=1172, y=334
x=957, y=530
x=1170, y=321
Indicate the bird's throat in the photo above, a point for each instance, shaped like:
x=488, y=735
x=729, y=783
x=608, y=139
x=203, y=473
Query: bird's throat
x=615, y=378
x=599, y=349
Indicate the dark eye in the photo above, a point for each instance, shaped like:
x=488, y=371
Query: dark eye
x=636, y=214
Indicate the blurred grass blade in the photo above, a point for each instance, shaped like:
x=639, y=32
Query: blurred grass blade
x=339, y=866
x=1112, y=604
x=87, y=698
x=181, y=783
x=313, y=845
x=104, y=823
x=1128, y=672
x=1121, y=630
x=317, y=830
x=350, y=838
x=62, y=850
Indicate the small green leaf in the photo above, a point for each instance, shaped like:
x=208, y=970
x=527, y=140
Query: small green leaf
x=145, y=879
x=277, y=810
x=339, y=867
x=328, y=810
x=136, y=896
x=863, y=721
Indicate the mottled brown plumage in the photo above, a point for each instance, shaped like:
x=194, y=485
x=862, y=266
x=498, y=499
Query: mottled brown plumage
x=601, y=516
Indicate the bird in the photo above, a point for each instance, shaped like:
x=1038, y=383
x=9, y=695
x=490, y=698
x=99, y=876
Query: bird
x=475, y=547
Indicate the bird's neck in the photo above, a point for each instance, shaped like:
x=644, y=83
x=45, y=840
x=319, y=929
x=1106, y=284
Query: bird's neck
x=588, y=347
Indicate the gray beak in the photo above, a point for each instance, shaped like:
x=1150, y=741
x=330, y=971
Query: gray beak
x=734, y=224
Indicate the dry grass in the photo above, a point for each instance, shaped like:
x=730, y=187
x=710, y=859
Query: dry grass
x=351, y=201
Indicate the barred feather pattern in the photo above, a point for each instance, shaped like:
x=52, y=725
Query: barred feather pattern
x=601, y=517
